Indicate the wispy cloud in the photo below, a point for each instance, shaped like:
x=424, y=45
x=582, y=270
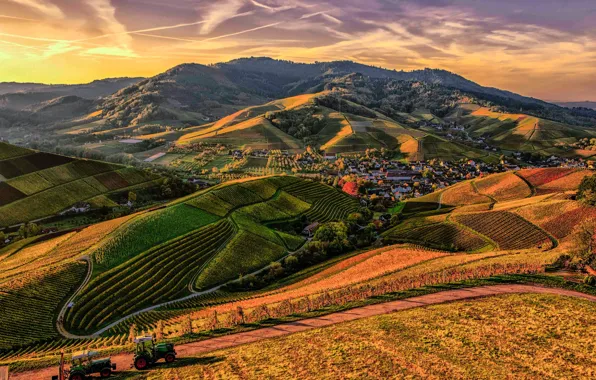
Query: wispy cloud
x=218, y=12
x=148, y=30
x=44, y=7
x=111, y=51
x=273, y=9
x=241, y=32
x=105, y=13
x=18, y=18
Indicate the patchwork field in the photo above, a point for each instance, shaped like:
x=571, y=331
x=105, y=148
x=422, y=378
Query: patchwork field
x=39, y=184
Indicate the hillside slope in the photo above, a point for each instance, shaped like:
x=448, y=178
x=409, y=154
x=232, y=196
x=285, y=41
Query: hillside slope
x=35, y=185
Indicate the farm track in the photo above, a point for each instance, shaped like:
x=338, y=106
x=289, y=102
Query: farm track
x=532, y=188
x=233, y=340
x=60, y=319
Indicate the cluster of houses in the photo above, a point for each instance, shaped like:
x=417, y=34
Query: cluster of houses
x=398, y=181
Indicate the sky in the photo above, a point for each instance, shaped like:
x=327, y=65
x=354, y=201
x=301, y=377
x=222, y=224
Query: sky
x=540, y=48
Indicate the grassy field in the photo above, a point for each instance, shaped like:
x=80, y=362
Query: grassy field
x=521, y=336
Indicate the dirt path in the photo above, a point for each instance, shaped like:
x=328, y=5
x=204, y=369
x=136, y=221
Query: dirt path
x=60, y=320
x=124, y=361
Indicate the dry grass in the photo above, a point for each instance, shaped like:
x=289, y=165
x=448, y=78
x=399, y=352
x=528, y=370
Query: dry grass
x=463, y=194
x=569, y=182
x=503, y=187
x=356, y=270
x=512, y=336
x=300, y=100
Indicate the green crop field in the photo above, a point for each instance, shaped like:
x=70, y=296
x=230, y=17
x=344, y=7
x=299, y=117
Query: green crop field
x=148, y=230
x=506, y=229
x=206, y=240
x=30, y=302
x=42, y=184
x=443, y=235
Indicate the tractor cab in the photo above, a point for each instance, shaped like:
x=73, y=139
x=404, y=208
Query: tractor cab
x=147, y=352
x=83, y=364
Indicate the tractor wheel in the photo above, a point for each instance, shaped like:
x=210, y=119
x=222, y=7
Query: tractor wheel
x=170, y=358
x=76, y=376
x=106, y=372
x=141, y=363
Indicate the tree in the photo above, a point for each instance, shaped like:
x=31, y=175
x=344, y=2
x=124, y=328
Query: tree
x=132, y=197
x=28, y=230
x=584, y=237
x=587, y=190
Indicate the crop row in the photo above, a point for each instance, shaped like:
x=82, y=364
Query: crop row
x=246, y=253
x=541, y=176
x=237, y=195
x=443, y=235
x=508, y=230
x=283, y=207
x=335, y=206
x=309, y=191
x=30, y=302
x=156, y=276
x=148, y=230
x=58, y=175
x=503, y=187
x=53, y=347
x=9, y=194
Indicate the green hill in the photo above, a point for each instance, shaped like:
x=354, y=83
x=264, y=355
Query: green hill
x=201, y=241
x=35, y=184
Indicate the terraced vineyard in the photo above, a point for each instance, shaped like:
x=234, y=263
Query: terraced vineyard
x=509, y=231
x=443, y=235
x=43, y=184
x=158, y=275
x=327, y=203
x=30, y=302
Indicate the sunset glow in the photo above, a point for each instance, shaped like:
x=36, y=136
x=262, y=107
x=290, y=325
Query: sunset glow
x=546, y=51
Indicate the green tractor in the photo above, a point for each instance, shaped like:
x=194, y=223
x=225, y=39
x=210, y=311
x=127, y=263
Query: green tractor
x=147, y=352
x=83, y=365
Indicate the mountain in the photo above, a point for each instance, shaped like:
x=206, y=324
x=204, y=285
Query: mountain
x=304, y=71
x=586, y=104
x=20, y=96
x=196, y=99
x=193, y=93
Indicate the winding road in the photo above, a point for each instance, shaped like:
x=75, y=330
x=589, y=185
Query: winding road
x=233, y=340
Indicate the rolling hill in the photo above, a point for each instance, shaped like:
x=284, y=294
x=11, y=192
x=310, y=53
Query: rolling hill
x=518, y=132
x=199, y=242
x=35, y=184
x=527, y=209
x=168, y=255
x=197, y=100
x=293, y=122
